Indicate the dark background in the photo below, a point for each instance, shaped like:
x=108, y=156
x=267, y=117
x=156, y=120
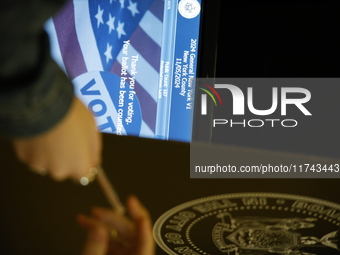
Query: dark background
x=38, y=215
x=279, y=40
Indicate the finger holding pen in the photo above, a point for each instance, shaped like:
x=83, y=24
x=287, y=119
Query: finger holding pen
x=123, y=235
x=126, y=235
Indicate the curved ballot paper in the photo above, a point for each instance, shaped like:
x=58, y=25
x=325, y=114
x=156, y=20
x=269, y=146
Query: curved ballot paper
x=132, y=62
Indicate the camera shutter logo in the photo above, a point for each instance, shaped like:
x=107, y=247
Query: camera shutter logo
x=212, y=93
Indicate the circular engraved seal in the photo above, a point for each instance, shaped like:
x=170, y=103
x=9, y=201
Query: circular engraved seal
x=251, y=224
x=189, y=8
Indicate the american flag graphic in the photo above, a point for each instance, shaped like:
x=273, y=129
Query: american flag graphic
x=88, y=39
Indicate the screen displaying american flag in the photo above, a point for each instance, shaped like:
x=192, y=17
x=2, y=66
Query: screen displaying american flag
x=111, y=49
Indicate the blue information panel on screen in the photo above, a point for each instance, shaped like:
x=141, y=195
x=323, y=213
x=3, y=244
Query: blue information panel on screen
x=132, y=63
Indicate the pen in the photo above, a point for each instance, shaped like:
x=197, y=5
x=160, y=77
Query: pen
x=107, y=188
x=109, y=191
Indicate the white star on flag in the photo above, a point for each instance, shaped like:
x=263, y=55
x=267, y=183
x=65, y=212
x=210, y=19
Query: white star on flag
x=120, y=29
x=122, y=3
x=133, y=8
x=99, y=16
x=107, y=53
x=110, y=23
